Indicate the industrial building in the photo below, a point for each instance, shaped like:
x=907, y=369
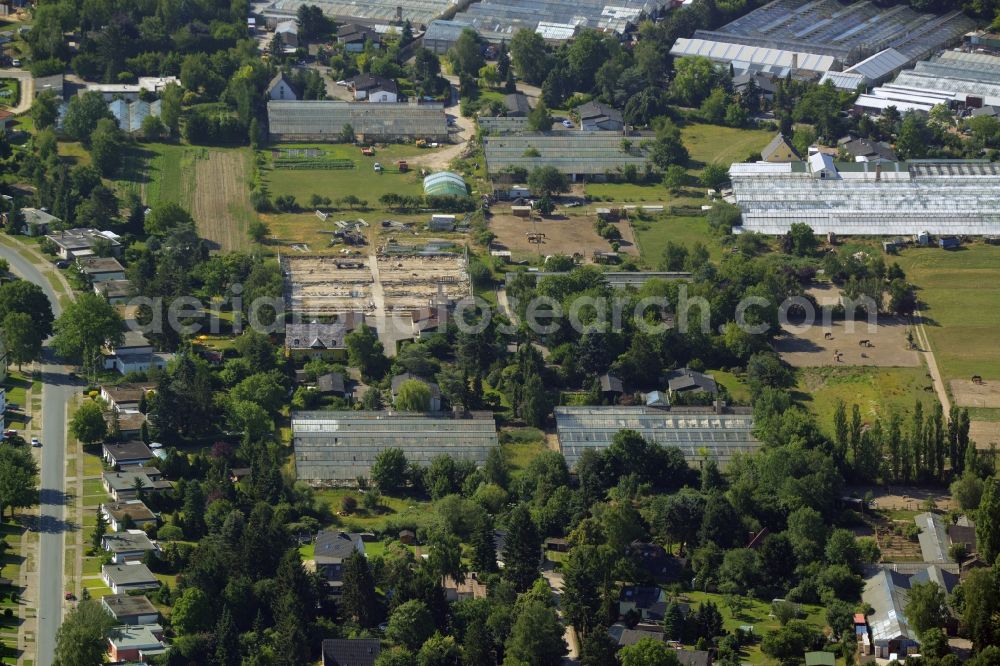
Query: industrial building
x=368, y=11
x=699, y=432
x=302, y=120
x=340, y=447
x=555, y=20
x=941, y=197
x=887, y=591
x=953, y=78
x=809, y=39
x=578, y=154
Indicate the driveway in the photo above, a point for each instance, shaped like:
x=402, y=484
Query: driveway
x=555, y=581
x=57, y=390
x=26, y=83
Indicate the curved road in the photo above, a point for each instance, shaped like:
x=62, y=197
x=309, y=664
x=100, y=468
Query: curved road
x=57, y=391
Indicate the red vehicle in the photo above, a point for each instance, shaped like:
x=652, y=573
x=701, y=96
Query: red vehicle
x=70, y=596
x=368, y=151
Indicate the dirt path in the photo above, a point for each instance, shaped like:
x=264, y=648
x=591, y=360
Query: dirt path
x=461, y=133
x=220, y=202
x=924, y=343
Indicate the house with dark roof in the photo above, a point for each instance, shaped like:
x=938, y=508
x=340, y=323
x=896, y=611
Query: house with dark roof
x=686, y=380
x=779, y=149
x=652, y=560
x=354, y=36
x=115, y=291
x=122, y=485
x=281, y=88
x=101, y=269
x=611, y=384
x=649, y=602
x=517, y=105
x=132, y=452
x=694, y=657
x=351, y=651
x=399, y=380
x=288, y=32
x=332, y=383
x=131, y=576
x=332, y=547
x=316, y=340
x=750, y=82
x=600, y=116
x=374, y=88
x=130, y=609
x=624, y=636
x=863, y=150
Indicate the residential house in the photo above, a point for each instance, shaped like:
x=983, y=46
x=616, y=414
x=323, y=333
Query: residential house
x=650, y=603
x=686, y=380
x=134, y=354
x=863, y=150
x=351, y=651
x=517, y=105
x=326, y=341
x=73, y=243
x=399, y=380
x=55, y=84
x=332, y=383
x=281, y=88
x=887, y=590
x=754, y=82
x=130, y=609
x=470, y=588
x=624, y=636
x=122, y=485
x=694, y=657
x=135, y=642
x=988, y=110
x=779, y=149
x=424, y=321
x=441, y=35
x=115, y=291
x=652, y=560
x=122, y=578
x=599, y=116
x=332, y=547
x=118, y=514
x=374, y=88
x=124, y=398
x=963, y=532
x=354, y=36
x=133, y=452
x=38, y=222
x=128, y=546
x=101, y=269
x=611, y=385
x=288, y=32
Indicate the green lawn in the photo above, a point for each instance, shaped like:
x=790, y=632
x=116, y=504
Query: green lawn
x=9, y=90
x=723, y=145
x=652, y=236
x=626, y=192
x=159, y=172
x=874, y=390
x=738, y=390
x=391, y=509
x=960, y=292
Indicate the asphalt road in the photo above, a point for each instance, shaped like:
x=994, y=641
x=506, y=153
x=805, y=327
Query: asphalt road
x=56, y=392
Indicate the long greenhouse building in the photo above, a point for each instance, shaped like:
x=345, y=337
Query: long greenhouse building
x=699, y=432
x=339, y=447
x=941, y=197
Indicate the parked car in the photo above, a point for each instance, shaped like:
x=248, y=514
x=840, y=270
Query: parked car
x=62, y=264
x=567, y=123
x=35, y=443
x=378, y=168
x=70, y=596
x=342, y=83
x=16, y=62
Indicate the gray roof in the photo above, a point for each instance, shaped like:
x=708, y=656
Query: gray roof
x=98, y=265
x=503, y=124
x=318, y=336
x=277, y=79
x=79, y=239
x=129, y=574
x=114, y=288
x=398, y=380
x=125, y=542
x=554, y=19
x=686, y=379
x=351, y=651
x=598, y=111
x=125, y=481
x=778, y=141
x=342, y=445
x=611, y=384
x=368, y=82
x=136, y=637
x=933, y=537
x=130, y=450
x=517, y=104
x=120, y=605
x=870, y=149
x=135, y=509
x=694, y=657
x=334, y=546
x=696, y=431
x=327, y=118
x=34, y=216
x=632, y=636
x=581, y=152
x=332, y=382
x=887, y=591
x=445, y=31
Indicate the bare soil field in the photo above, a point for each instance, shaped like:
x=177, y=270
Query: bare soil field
x=969, y=394
x=221, y=199
x=818, y=345
x=984, y=433
x=563, y=235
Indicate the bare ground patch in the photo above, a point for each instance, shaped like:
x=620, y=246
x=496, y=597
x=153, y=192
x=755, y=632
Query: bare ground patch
x=838, y=343
x=220, y=202
x=969, y=394
x=984, y=433
x=563, y=235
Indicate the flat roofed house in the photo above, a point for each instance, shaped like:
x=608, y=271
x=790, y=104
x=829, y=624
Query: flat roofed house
x=130, y=608
x=134, y=642
x=124, y=397
x=332, y=548
x=101, y=269
x=118, y=513
x=351, y=651
x=596, y=116
x=74, y=243
x=131, y=576
x=132, y=452
x=128, y=546
x=115, y=291
x=122, y=485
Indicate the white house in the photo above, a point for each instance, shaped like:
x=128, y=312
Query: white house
x=280, y=88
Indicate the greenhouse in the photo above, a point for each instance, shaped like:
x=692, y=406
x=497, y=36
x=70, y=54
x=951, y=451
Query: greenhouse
x=325, y=121
x=555, y=20
x=942, y=197
x=699, y=432
x=576, y=153
x=339, y=447
x=445, y=183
